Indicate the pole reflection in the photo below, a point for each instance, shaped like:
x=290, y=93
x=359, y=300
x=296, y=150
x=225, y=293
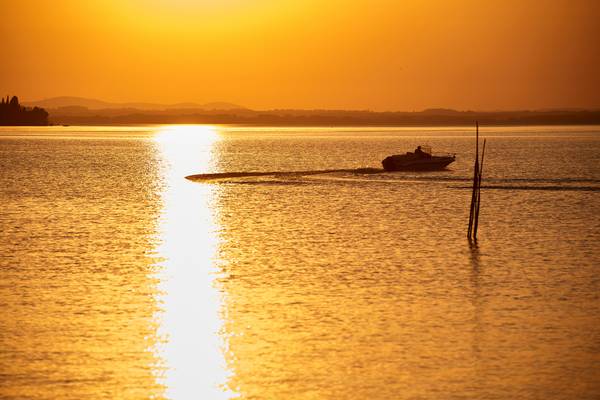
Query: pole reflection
x=476, y=299
x=189, y=321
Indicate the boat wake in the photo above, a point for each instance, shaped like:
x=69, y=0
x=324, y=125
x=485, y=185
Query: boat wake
x=358, y=176
x=534, y=187
x=233, y=175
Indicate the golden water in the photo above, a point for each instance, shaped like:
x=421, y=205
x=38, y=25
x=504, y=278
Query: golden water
x=121, y=279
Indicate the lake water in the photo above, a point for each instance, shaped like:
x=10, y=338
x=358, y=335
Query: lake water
x=122, y=279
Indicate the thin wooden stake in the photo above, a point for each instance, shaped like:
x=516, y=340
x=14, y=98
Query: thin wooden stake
x=476, y=218
x=475, y=181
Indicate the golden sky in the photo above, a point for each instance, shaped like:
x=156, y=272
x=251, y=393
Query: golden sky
x=352, y=54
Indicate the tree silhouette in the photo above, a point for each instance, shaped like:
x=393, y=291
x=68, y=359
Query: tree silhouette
x=12, y=113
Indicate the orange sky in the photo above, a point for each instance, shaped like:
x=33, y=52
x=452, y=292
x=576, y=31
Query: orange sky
x=354, y=54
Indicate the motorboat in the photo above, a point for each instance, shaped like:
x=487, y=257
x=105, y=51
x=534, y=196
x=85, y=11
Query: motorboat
x=422, y=159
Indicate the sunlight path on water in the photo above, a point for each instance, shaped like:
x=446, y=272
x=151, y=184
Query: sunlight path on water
x=192, y=350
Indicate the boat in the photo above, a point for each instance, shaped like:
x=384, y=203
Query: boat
x=422, y=159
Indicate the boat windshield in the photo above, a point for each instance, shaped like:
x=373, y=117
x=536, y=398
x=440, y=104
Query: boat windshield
x=426, y=149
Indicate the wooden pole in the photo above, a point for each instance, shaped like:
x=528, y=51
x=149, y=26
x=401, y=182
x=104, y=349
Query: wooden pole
x=476, y=217
x=475, y=181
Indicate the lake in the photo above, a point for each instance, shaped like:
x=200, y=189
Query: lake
x=122, y=279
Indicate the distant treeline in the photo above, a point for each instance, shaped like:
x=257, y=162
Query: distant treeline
x=12, y=113
x=433, y=117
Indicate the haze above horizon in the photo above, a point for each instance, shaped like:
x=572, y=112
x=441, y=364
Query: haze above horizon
x=356, y=54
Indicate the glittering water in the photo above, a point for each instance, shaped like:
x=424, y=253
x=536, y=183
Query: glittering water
x=122, y=279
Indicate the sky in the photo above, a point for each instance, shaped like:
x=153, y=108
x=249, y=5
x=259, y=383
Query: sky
x=354, y=54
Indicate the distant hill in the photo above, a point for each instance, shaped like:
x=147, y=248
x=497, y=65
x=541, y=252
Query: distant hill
x=440, y=111
x=94, y=104
x=84, y=111
x=442, y=117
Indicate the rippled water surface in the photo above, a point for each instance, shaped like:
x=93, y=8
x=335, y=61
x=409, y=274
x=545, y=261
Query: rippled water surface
x=122, y=279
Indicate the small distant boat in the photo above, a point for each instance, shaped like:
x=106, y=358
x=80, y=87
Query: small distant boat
x=422, y=159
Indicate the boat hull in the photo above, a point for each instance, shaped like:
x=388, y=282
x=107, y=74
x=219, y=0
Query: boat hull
x=408, y=163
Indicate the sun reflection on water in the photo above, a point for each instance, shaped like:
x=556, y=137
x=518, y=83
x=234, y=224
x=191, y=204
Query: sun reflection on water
x=191, y=347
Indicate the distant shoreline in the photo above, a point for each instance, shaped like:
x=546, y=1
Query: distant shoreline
x=304, y=118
